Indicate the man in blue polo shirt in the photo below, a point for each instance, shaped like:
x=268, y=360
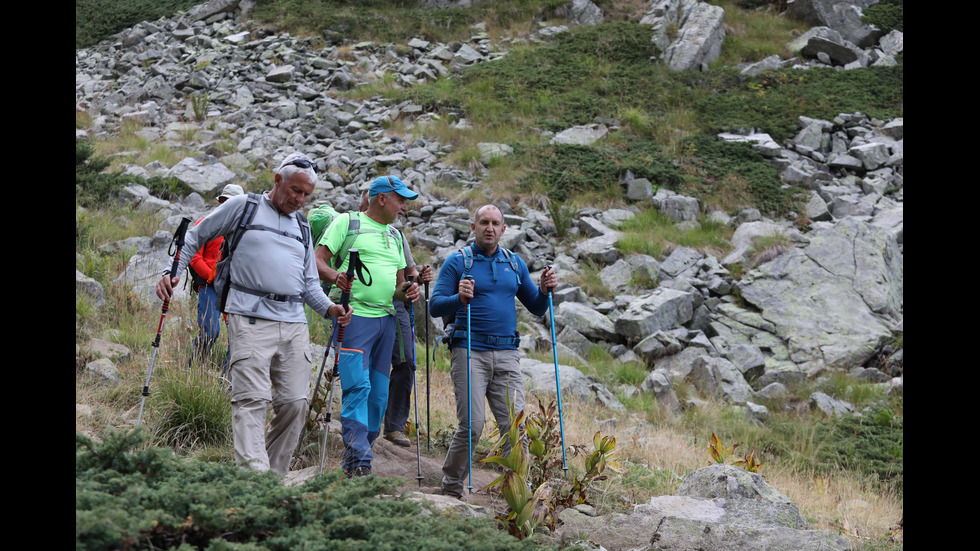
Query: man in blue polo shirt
x=497, y=277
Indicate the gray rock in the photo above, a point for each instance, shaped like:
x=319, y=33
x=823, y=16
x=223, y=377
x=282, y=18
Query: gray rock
x=748, y=360
x=618, y=276
x=680, y=208
x=206, y=179
x=639, y=189
x=719, y=378
x=773, y=391
x=658, y=383
x=585, y=320
x=539, y=377
x=661, y=310
x=583, y=12
x=580, y=135
x=830, y=406
x=282, y=73
x=844, y=16
x=826, y=41
x=104, y=368
x=91, y=288
x=756, y=413
x=698, y=39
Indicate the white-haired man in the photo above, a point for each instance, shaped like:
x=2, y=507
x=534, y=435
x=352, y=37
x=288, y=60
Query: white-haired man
x=266, y=277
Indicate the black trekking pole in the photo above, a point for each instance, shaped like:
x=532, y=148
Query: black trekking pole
x=316, y=388
x=428, y=415
x=415, y=388
x=176, y=244
x=554, y=350
x=354, y=259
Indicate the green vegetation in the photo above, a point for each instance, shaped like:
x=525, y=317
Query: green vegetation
x=397, y=20
x=93, y=187
x=97, y=19
x=652, y=232
x=887, y=15
x=149, y=500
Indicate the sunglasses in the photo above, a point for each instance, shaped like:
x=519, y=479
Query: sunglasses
x=302, y=163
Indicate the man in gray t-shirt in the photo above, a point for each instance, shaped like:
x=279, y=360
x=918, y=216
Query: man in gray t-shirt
x=272, y=274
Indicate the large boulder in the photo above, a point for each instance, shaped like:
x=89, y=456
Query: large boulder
x=661, y=310
x=844, y=16
x=835, y=301
x=204, y=178
x=699, y=37
x=539, y=378
x=720, y=508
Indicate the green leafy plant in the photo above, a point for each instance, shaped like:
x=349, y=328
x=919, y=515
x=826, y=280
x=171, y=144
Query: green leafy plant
x=718, y=452
x=538, y=467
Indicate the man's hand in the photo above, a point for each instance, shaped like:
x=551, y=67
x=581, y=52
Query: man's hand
x=466, y=287
x=165, y=287
x=337, y=311
x=549, y=279
x=411, y=291
x=425, y=275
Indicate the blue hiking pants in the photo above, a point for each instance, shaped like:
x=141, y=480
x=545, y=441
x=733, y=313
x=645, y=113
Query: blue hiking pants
x=365, y=362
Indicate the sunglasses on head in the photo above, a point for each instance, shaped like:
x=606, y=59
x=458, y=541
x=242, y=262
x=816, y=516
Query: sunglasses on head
x=302, y=163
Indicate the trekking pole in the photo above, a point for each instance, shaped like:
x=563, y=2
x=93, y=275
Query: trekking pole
x=415, y=387
x=335, y=374
x=316, y=388
x=177, y=244
x=554, y=350
x=469, y=398
x=428, y=416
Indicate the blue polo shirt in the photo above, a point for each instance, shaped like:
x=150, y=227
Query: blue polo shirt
x=492, y=311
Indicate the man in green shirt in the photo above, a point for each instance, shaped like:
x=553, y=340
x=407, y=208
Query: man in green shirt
x=365, y=358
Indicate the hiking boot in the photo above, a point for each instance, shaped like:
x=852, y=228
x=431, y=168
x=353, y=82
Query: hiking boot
x=363, y=470
x=398, y=438
x=447, y=492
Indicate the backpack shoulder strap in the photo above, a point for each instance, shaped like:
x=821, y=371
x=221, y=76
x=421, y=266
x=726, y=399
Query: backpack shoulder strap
x=304, y=229
x=511, y=258
x=353, y=229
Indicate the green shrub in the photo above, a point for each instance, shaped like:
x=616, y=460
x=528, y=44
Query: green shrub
x=568, y=170
x=94, y=187
x=151, y=500
x=887, y=15
x=730, y=174
x=97, y=19
x=773, y=101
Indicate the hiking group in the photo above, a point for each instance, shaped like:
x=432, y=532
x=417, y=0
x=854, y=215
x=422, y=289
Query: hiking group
x=272, y=262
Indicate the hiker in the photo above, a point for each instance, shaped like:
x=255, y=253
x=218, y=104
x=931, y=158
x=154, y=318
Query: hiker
x=498, y=276
x=369, y=339
x=202, y=270
x=266, y=275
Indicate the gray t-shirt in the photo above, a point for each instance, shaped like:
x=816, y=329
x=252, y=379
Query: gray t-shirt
x=264, y=261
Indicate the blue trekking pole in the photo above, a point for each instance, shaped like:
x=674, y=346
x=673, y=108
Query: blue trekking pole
x=554, y=350
x=469, y=399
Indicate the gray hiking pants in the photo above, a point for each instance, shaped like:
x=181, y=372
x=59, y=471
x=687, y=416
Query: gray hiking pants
x=495, y=374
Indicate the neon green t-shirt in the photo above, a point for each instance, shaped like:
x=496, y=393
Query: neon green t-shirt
x=380, y=250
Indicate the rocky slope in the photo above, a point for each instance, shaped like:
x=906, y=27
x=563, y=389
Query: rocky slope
x=827, y=298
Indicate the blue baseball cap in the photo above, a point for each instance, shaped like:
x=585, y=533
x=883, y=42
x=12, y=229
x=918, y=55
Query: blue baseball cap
x=384, y=184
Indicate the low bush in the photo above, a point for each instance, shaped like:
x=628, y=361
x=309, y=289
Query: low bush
x=97, y=19
x=570, y=170
x=94, y=187
x=151, y=500
x=887, y=15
